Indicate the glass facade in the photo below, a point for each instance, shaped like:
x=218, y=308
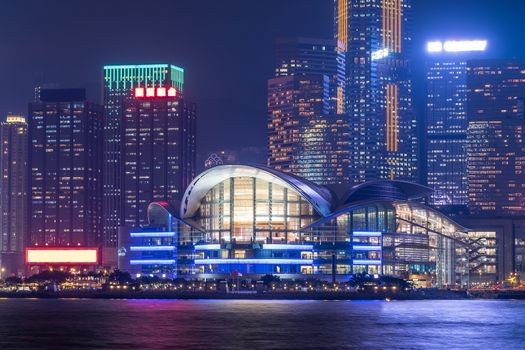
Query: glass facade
x=235, y=221
x=308, y=134
x=446, y=115
x=65, y=197
x=119, y=84
x=496, y=140
x=158, y=154
x=376, y=37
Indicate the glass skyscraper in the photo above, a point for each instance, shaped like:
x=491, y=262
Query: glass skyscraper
x=158, y=151
x=307, y=133
x=446, y=110
x=310, y=56
x=65, y=134
x=496, y=136
x=119, y=84
x=446, y=121
x=375, y=36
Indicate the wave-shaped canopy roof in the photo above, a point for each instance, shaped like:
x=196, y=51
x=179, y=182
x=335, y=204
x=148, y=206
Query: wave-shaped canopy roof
x=386, y=189
x=319, y=197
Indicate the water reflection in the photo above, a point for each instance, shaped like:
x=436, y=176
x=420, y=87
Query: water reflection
x=165, y=324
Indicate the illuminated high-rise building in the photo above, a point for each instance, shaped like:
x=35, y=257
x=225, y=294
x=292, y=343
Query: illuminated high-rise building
x=313, y=56
x=496, y=136
x=303, y=137
x=119, y=84
x=375, y=36
x=65, y=188
x=308, y=132
x=13, y=195
x=446, y=118
x=158, y=151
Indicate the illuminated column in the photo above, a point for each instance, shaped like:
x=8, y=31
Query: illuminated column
x=392, y=118
x=392, y=24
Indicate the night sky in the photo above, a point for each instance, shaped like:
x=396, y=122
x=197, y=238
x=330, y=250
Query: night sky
x=226, y=48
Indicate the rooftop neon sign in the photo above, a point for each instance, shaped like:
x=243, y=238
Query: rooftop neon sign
x=457, y=46
x=141, y=92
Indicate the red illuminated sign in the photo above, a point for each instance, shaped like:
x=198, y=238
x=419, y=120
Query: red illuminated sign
x=141, y=92
x=62, y=256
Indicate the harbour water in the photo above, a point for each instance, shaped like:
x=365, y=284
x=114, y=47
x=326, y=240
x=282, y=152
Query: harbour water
x=260, y=324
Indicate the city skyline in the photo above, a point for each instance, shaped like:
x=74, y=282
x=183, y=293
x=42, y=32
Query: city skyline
x=221, y=79
x=229, y=174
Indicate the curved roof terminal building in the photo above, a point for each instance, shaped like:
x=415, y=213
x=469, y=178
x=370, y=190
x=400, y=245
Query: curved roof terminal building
x=255, y=221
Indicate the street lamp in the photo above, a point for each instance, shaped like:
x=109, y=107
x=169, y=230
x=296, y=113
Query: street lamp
x=2, y=270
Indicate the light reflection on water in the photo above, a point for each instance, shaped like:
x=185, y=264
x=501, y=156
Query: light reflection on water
x=227, y=324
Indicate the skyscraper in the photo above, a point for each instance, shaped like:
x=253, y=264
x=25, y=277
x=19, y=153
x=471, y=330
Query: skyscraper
x=446, y=118
x=312, y=56
x=375, y=36
x=307, y=133
x=158, y=151
x=496, y=136
x=119, y=84
x=65, y=134
x=13, y=194
x=303, y=138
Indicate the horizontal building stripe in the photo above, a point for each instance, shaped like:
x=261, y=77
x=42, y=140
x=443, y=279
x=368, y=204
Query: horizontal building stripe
x=152, y=234
x=253, y=261
x=153, y=247
x=367, y=262
x=288, y=246
x=152, y=262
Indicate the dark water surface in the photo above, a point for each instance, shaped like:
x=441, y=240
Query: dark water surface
x=227, y=324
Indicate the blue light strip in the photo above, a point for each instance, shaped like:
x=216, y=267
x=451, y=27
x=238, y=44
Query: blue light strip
x=366, y=247
x=153, y=247
x=288, y=246
x=207, y=247
x=254, y=261
x=152, y=234
x=367, y=234
x=367, y=262
x=152, y=262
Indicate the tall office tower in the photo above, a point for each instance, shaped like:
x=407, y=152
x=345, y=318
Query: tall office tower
x=496, y=136
x=375, y=36
x=309, y=56
x=119, y=84
x=446, y=118
x=65, y=134
x=302, y=134
x=158, y=151
x=13, y=194
x=308, y=133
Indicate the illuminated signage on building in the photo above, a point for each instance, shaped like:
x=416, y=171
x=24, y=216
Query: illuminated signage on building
x=141, y=92
x=58, y=256
x=457, y=46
